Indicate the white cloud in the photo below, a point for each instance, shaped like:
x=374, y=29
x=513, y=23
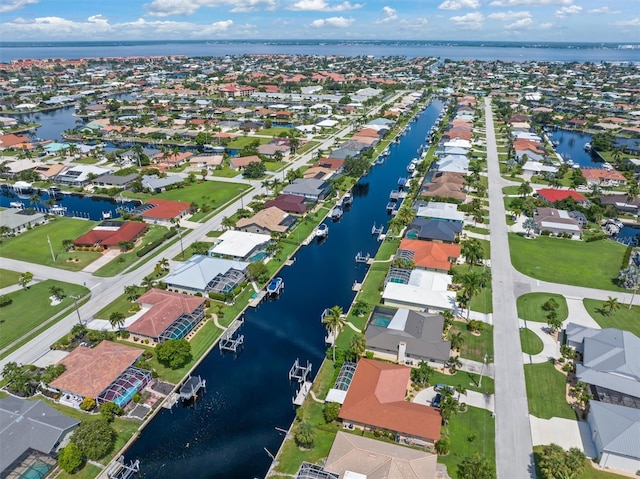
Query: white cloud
x=470, y=21
x=519, y=24
x=566, y=11
x=459, y=4
x=167, y=8
x=634, y=22
x=99, y=28
x=334, y=22
x=545, y=26
x=417, y=23
x=604, y=10
x=388, y=15
x=528, y=3
x=323, y=6
x=509, y=16
x=11, y=5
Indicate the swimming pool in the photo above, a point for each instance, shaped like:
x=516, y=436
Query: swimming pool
x=258, y=257
x=381, y=320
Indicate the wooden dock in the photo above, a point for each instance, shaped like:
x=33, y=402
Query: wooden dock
x=170, y=401
x=257, y=299
x=298, y=400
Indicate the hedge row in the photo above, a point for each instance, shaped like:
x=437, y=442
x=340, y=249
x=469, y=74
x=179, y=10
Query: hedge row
x=151, y=246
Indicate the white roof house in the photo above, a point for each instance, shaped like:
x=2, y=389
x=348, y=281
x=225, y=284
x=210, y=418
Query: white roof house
x=440, y=211
x=239, y=244
x=616, y=433
x=426, y=291
x=203, y=274
x=536, y=167
x=79, y=175
x=453, y=164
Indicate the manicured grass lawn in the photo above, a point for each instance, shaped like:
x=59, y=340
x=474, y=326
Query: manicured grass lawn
x=33, y=246
x=475, y=347
x=309, y=145
x=88, y=471
x=546, y=391
x=273, y=131
x=486, y=246
x=31, y=307
x=124, y=260
x=587, y=472
x=214, y=193
x=470, y=432
x=530, y=306
x=592, y=265
x=510, y=190
x=242, y=141
x=531, y=343
x=8, y=277
x=477, y=229
x=624, y=318
x=482, y=302
x=225, y=172
x=468, y=380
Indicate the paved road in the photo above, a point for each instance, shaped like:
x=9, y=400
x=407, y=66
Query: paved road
x=514, y=450
x=105, y=290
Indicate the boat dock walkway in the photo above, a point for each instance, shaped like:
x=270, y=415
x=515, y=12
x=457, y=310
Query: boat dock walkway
x=227, y=341
x=302, y=375
x=257, y=299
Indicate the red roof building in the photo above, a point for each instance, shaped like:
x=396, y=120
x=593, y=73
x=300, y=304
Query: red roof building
x=290, y=203
x=429, y=255
x=169, y=315
x=376, y=399
x=551, y=195
x=241, y=162
x=12, y=141
x=165, y=210
x=111, y=233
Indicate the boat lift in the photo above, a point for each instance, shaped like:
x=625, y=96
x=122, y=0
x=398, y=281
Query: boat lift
x=120, y=470
x=230, y=342
x=302, y=375
x=360, y=258
x=376, y=230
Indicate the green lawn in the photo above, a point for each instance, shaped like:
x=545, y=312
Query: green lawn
x=470, y=432
x=592, y=265
x=510, y=190
x=587, y=472
x=482, y=303
x=624, y=318
x=475, y=347
x=477, y=229
x=32, y=246
x=530, y=306
x=225, y=172
x=8, y=278
x=531, y=343
x=309, y=145
x=546, y=391
x=469, y=380
x=31, y=307
x=243, y=141
x=273, y=131
x=88, y=471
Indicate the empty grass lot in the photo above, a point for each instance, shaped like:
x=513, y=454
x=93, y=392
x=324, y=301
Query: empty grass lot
x=546, y=391
x=591, y=265
x=8, y=278
x=482, y=302
x=530, y=342
x=31, y=307
x=32, y=246
x=475, y=347
x=624, y=318
x=530, y=306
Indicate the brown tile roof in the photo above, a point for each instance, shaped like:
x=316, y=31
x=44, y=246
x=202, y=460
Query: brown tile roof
x=242, y=161
x=428, y=254
x=289, y=203
x=91, y=370
x=268, y=218
x=129, y=231
x=9, y=140
x=166, y=209
x=600, y=174
x=376, y=397
x=166, y=308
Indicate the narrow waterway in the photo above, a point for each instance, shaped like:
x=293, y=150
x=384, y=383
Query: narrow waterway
x=571, y=147
x=224, y=435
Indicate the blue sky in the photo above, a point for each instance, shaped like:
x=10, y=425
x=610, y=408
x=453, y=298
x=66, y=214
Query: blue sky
x=515, y=20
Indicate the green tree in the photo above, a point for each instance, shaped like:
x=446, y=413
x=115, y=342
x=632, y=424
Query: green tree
x=70, y=458
x=421, y=374
x=454, y=364
x=355, y=167
x=109, y=410
x=304, y=435
x=334, y=322
x=330, y=411
x=88, y=404
x=95, y=438
x=611, y=305
x=254, y=170
x=131, y=292
x=471, y=283
x=56, y=291
x=200, y=247
x=443, y=445
x=556, y=463
x=553, y=321
x=228, y=222
x=473, y=251
x=174, y=352
x=525, y=189
x=357, y=346
x=529, y=225
x=457, y=340
x=448, y=407
x=258, y=271
x=475, y=467
x=24, y=279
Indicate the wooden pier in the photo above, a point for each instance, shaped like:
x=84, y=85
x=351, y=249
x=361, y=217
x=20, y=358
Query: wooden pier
x=257, y=299
x=229, y=341
x=170, y=401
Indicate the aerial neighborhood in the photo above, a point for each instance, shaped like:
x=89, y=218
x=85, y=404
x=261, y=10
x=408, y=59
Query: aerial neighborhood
x=454, y=245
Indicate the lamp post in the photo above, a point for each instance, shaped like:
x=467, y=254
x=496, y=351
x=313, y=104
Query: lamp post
x=482, y=369
x=75, y=301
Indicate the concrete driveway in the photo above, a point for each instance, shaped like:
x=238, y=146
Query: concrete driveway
x=472, y=398
x=564, y=432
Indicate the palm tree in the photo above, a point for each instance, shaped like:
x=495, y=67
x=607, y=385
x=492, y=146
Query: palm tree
x=131, y=292
x=405, y=215
x=358, y=346
x=334, y=322
x=448, y=407
x=56, y=291
x=116, y=319
x=228, y=222
x=457, y=340
x=524, y=189
x=611, y=305
x=473, y=251
x=164, y=264
x=454, y=364
x=529, y=225
x=148, y=282
x=266, y=184
x=460, y=389
x=471, y=283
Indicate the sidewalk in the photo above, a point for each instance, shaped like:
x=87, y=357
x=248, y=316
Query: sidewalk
x=550, y=349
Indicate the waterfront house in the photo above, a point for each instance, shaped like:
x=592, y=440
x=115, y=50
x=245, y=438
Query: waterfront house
x=402, y=335
x=551, y=195
x=353, y=456
x=10, y=140
x=166, y=315
x=290, y=203
x=80, y=175
x=429, y=255
x=240, y=245
x=556, y=222
x=309, y=188
x=32, y=433
x=21, y=220
x=114, y=181
x=266, y=221
x=531, y=149
x=603, y=177
x=438, y=211
x=615, y=431
x=422, y=291
x=376, y=400
x=204, y=274
x=109, y=234
x=622, y=203
x=158, y=184
x=433, y=230
x=105, y=373
x=536, y=168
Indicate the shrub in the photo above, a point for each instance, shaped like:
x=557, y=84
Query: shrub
x=70, y=458
x=87, y=404
x=443, y=445
x=95, y=438
x=330, y=411
x=545, y=233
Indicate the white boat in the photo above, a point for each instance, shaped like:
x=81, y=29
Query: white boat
x=58, y=210
x=106, y=215
x=322, y=230
x=19, y=205
x=23, y=188
x=347, y=199
x=411, y=168
x=607, y=166
x=275, y=286
x=587, y=147
x=336, y=213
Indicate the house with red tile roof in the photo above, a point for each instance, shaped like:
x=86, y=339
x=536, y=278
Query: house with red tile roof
x=600, y=176
x=104, y=373
x=172, y=160
x=530, y=148
x=290, y=203
x=241, y=162
x=109, y=234
x=551, y=195
x=376, y=400
x=167, y=315
x=12, y=141
x=429, y=255
x=163, y=211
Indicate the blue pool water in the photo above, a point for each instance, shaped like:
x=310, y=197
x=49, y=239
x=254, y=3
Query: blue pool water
x=382, y=321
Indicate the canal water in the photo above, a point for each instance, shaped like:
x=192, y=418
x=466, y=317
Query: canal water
x=224, y=434
x=571, y=146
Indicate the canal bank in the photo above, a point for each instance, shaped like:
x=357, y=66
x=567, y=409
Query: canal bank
x=224, y=434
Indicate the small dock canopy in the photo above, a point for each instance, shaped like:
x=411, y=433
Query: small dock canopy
x=191, y=387
x=302, y=375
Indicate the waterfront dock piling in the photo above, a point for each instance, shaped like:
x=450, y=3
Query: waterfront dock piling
x=302, y=375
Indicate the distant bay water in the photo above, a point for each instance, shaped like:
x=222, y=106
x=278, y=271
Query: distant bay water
x=487, y=51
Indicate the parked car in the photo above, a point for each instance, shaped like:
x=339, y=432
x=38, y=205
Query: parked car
x=443, y=387
x=435, y=402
